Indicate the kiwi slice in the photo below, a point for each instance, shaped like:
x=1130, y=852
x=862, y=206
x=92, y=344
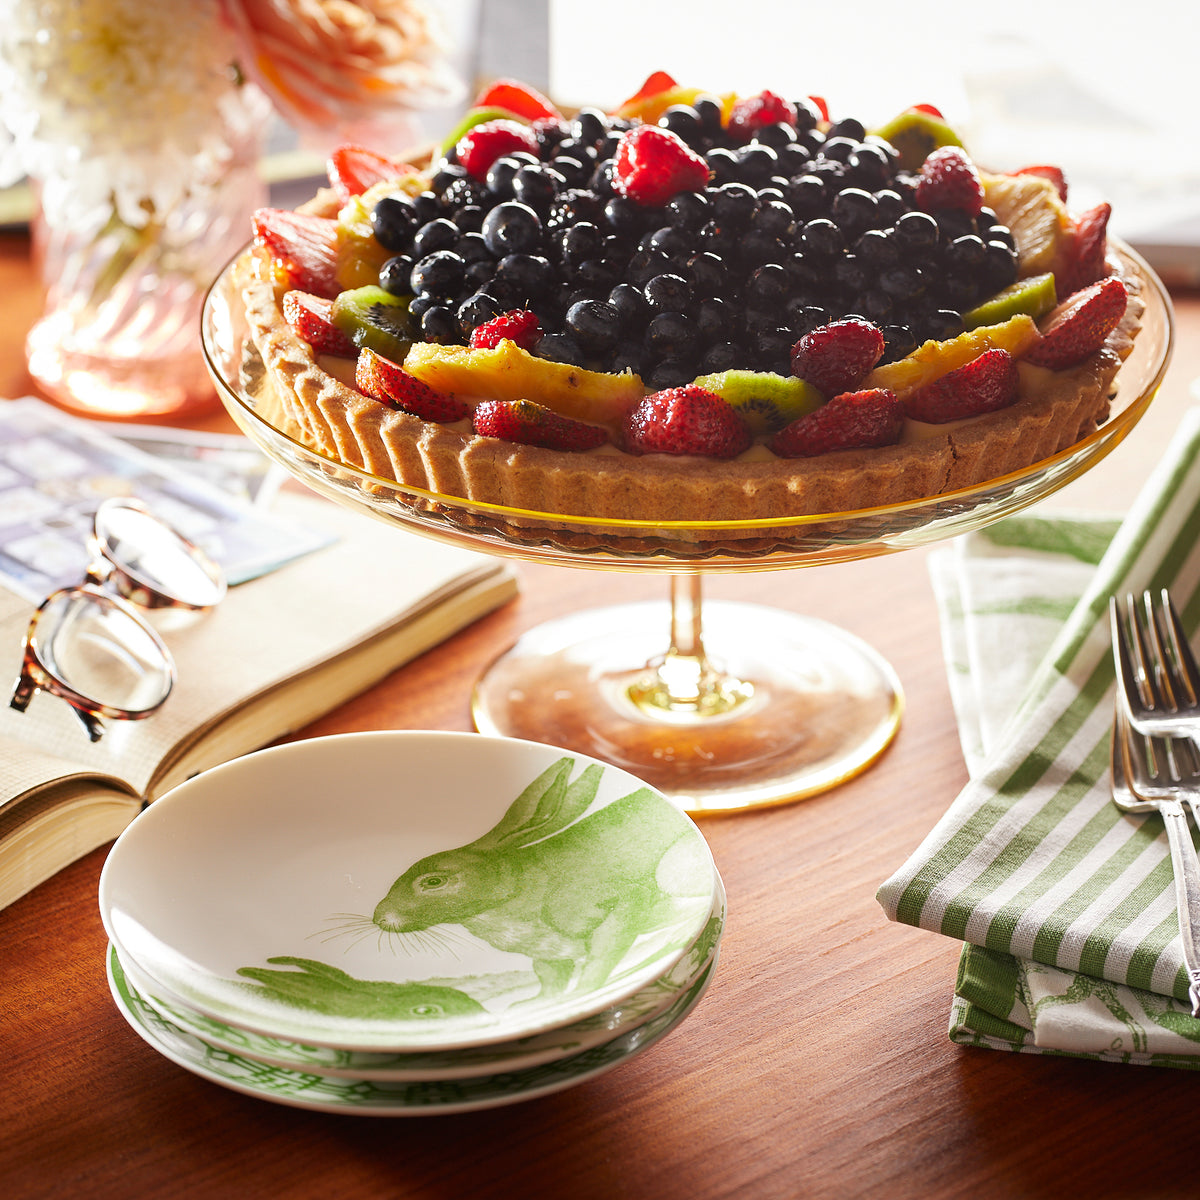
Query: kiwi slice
x=477, y=116
x=916, y=134
x=765, y=400
x=370, y=316
x=1035, y=296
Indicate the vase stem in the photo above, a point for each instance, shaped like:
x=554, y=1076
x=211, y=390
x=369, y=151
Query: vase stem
x=683, y=680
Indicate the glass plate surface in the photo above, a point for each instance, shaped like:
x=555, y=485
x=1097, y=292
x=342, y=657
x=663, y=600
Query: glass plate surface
x=771, y=543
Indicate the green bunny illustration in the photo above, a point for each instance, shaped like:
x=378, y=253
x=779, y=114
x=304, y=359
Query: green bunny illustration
x=573, y=894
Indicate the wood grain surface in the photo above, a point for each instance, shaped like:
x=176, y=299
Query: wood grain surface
x=817, y=1065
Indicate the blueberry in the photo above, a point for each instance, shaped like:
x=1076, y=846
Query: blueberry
x=439, y=234
x=851, y=273
x=396, y=274
x=500, y=176
x=716, y=320
x=687, y=210
x=624, y=215
x=575, y=172
x=438, y=274
x=773, y=218
x=708, y=273
x=628, y=356
x=720, y=356
x=854, y=211
x=722, y=165
x=875, y=304
x=561, y=347
x=580, y=242
x=999, y=266
x=595, y=324
x=942, y=324
x=477, y=309
x=671, y=335
x=512, y=228
x=792, y=159
x=756, y=248
x=807, y=115
x=644, y=265
x=878, y=248
x=733, y=203
x=954, y=223
x=898, y=342
x=469, y=218
x=630, y=305
x=847, y=127
x=903, y=282
x=683, y=121
x=668, y=293
x=890, y=206
x=821, y=238
x=394, y=221
x=756, y=163
x=674, y=371
x=776, y=136
x=807, y=196
x=537, y=186
x=965, y=254
x=472, y=248
x=597, y=275
x=523, y=276
x=710, y=111
x=572, y=147
x=916, y=231
x=439, y=324
x=838, y=148
x=590, y=125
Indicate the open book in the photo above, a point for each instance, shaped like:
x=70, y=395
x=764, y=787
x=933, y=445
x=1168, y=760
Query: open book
x=277, y=653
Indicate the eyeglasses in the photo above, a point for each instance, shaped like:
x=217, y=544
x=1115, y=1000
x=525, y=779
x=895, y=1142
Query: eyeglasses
x=93, y=648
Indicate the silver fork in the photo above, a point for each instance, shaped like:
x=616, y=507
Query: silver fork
x=1149, y=775
x=1156, y=669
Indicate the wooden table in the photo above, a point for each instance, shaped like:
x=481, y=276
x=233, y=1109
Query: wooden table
x=817, y=1065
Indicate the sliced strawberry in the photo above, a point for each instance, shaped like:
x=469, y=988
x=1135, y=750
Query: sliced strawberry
x=851, y=421
x=949, y=179
x=381, y=378
x=519, y=325
x=822, y=107
x=751, y=113
x=656, y=83
x=352, y=169
x=309, y=317
x=1078, y=327
x=686, y=420
x=304, y=246
x=983, y=385
x=535, y=425
x=927, y=108
x=480, y=146
x=1045, y=171
x=518, y=98
x=653, y=164
x=1089, y=251
x=834, y=358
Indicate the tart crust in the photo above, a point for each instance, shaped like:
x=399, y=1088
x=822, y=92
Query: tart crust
x=1055, y=410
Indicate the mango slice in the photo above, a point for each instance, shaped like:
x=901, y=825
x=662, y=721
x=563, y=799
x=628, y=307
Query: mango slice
x=934, y=359
x=1030, y=207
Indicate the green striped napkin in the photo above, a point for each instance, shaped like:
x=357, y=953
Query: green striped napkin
x=1066, y=905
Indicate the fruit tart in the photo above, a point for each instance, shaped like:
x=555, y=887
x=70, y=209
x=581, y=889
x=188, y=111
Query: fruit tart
x=693, y=308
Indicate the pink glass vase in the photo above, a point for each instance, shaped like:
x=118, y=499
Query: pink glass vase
x=119, y=336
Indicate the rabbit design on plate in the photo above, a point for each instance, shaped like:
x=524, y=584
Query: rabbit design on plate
x=575, y=895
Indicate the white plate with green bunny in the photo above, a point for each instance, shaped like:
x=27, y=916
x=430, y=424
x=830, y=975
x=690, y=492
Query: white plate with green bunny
x=407, y=890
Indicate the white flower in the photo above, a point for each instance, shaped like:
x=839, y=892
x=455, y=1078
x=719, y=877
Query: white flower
x=125, y=99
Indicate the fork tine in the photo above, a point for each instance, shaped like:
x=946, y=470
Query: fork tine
x=1185, y=677
x=1127, y=674
x=1148, y=653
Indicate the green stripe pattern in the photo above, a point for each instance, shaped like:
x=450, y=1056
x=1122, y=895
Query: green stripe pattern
x=1033, y=859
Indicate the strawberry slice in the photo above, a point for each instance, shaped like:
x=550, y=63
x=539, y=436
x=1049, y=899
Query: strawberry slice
x=948, y=179
x=352, y=169
x=303, y=245
x=518, y=98
x=653, y=164
x=686, y=420
x=983, y=385
x=752, y=113
x=480, y=146
x=822, y=107
x=1045, y=171
x=656, y=83
x=535, y=425
x=851, y=421
x=836, y=357
x=928, y=109
x=381, y=378
x=310, y=318
x=1089, y=251
x=518, y=325
x=1078, y=327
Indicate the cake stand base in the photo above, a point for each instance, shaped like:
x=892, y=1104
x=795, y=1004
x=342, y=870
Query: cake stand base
x=774, y=707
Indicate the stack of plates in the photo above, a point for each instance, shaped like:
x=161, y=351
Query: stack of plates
x=406, y=923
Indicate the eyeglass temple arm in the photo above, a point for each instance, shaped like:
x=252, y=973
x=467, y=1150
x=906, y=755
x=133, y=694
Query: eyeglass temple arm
x=23, y=693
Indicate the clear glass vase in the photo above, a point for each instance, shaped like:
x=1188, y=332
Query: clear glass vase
x=119, y=336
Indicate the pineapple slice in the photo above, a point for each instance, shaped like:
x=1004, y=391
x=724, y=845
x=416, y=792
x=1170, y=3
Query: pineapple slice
x=359, y=254
x=1030, y=206
x=507, y=372
x=934, y=359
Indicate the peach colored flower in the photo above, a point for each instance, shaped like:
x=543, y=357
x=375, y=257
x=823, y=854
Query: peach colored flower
x=337, y=68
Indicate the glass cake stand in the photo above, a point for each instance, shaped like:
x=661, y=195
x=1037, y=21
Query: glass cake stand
x=724, y=706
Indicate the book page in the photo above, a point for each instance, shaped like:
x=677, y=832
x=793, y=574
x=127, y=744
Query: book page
x=372, y=578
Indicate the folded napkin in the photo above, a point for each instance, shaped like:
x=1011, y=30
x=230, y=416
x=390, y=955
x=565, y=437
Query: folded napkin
x=1066, y=904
